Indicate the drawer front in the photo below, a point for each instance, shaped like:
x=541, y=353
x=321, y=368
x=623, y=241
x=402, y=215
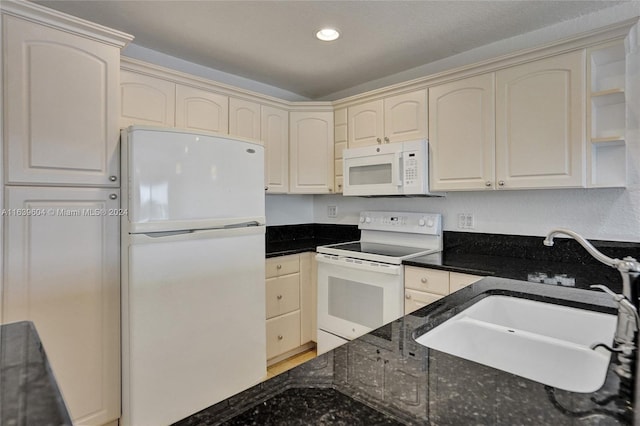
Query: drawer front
x=414, y=300
x=458, y=280
x=283, y=295
x=283, y=334
x=429, y=280
x=284, y=265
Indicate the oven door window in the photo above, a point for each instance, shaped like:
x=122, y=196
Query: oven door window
x=356, y=302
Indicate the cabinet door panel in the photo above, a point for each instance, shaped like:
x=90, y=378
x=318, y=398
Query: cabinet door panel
x=462, y=135
x=244, y=119
x=146, y=100
x=61, y=107
x=540, y=123
x=198, y=109
x=414, y=300
x=62, y=273
x=405, y=116
x=365, y=124
x=311, y=162
x=275, y=135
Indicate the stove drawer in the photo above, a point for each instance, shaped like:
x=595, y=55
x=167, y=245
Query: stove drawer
x=429, y=280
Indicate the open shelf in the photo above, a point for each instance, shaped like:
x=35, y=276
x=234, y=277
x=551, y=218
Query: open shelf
x=607, y=150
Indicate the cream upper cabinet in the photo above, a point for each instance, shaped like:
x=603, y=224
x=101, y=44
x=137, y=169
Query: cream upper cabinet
x=405, y=116
x=538, y=139
x=62, y=273
x=146, y=100
x=311, y=160
x=392, y=119
x=366, y=124
x=540, y=123
x=61, y=106
x=462, y=134
x=340, y=139
x=275, y=135
x=198, y=109
x=244, y=118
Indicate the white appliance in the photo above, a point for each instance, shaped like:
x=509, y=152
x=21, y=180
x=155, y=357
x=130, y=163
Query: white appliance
x=193, y=297
x=361, y=284
x=390, y=169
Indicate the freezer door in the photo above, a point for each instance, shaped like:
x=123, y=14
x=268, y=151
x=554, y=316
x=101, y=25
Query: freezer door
x=193, y=322
x=180, y=180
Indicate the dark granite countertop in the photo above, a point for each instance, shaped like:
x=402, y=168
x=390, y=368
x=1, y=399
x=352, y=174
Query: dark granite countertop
x=29, y=394
x=385, y=377
x=292, y=239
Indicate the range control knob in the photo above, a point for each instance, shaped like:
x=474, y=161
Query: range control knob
x=361, y=219
x=421, y=222
x=367, y=219
x=430, y=223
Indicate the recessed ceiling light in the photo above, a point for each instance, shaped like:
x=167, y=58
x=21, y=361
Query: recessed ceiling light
x=327, y=34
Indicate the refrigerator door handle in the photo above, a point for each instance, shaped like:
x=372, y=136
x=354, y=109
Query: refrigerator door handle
x=242, y=224
x=161, y=237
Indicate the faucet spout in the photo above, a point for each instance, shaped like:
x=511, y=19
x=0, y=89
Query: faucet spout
x=628, y=267
x=548, y=241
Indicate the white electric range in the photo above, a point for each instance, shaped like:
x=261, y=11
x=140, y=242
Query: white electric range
x=361, y=283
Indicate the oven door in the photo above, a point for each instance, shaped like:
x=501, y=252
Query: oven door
x=373, y=174
x=357, y=296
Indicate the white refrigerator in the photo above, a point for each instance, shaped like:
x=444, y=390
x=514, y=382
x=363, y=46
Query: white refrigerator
x=193, y=294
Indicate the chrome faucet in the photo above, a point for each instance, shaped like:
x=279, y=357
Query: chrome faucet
x=628, y=318
x=629, y=267
x=626, y=329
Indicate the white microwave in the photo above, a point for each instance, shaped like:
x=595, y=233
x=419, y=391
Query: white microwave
x=400, y=168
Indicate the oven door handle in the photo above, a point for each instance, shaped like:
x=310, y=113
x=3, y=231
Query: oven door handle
x=363, y=265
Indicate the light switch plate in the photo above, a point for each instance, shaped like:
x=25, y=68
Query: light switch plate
x=332, y=211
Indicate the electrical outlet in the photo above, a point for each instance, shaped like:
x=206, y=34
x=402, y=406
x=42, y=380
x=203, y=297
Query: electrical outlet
x=332, y=211
x=466, y=221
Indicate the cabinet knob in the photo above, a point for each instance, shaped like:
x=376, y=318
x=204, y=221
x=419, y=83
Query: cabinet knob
x=487, y=183
x=501, y=183
x=113, y=178
x=330, y=189
x=279, y=266
x=407, y=296
x=280, y=337
x=279, y=297
x=340, y=185
x=379, y=140
x=266, y=188
x=423, y=280
x=113, y=196
x=386, y=139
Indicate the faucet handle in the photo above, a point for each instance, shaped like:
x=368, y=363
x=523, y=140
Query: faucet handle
x=623, y=305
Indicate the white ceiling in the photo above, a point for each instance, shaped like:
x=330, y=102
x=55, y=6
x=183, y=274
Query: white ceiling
x=273, y=41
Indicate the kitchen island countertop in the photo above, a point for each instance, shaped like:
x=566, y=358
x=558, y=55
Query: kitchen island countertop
x=386, y=377
x=29, y=394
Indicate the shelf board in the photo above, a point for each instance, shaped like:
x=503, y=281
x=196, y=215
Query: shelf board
x=608, y=140
x=608, y=92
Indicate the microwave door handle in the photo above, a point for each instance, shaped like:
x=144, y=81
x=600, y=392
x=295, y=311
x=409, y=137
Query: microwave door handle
x=400, y=176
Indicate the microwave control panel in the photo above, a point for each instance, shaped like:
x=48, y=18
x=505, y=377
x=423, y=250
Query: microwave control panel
x=411, y=168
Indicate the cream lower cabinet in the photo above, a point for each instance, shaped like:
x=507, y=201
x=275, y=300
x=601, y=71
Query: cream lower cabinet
x=289, y=305
x=311, y=157
x=62, y=273
x=518, y=128
x=423, y=286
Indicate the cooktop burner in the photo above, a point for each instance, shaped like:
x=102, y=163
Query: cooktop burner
x=378, y=249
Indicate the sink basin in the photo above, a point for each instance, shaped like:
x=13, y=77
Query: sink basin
x=539, y=341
